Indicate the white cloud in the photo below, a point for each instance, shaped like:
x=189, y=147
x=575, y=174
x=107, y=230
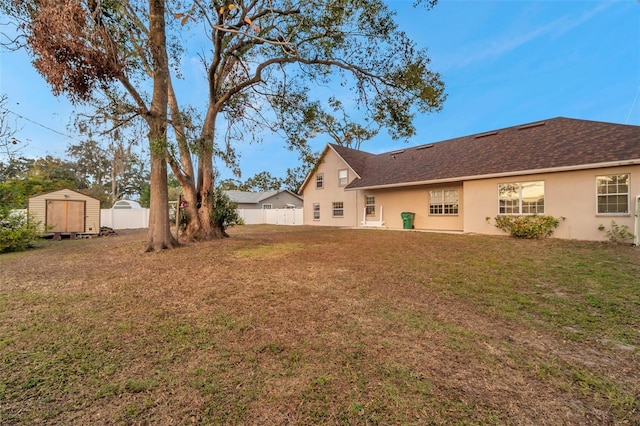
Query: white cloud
x=506, y=42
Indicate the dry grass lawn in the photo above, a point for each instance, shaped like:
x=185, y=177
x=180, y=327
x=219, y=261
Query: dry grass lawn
x=311, y=325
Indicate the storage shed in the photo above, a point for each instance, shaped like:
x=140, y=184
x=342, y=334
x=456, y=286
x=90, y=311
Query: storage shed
x=66, y=212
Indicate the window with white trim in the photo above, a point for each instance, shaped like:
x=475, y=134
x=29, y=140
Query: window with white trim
x=521, y=198
x=443, y=202
x=316, y=211
x=319, y=181
x=613, y=194
x=370, y=205
x=338, y=209
x=342, y=177
x=267, y=206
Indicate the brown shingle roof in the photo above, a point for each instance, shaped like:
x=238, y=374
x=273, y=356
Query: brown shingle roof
x=355, y=159
x=554, y=143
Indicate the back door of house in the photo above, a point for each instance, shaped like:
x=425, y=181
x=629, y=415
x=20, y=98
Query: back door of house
x=65, y=216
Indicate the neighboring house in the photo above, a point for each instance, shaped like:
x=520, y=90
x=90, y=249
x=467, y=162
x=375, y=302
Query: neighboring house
x=66, y=212
x=283, y=199
x=587, y=172
x=126, y=205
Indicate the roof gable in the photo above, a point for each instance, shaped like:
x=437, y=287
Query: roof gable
x=352, y=158
x=355, y=159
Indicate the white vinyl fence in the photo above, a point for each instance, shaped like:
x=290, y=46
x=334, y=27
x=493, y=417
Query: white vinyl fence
x=124, y=218
x=271, y=216
x=139, y=218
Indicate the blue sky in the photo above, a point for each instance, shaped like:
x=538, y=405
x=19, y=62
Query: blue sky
x=504, y=63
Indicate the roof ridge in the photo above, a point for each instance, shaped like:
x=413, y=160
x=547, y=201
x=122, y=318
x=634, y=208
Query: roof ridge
x=549, y=144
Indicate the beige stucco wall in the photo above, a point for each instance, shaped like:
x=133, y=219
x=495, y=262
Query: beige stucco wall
x=330, y=193
x=568, y=194
x=38, y=208
x=414, y=199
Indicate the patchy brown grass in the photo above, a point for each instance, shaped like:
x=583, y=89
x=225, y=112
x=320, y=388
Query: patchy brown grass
x=309, y=325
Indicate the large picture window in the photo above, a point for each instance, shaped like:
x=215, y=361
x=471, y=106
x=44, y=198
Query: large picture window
x=613, y=194
x=338, y=209
x=443, y=201
x=521, y=198
x=316, y=211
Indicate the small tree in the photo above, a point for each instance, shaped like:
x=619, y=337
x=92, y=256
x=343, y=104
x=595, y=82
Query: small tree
x=9, y=145
x=225, y=213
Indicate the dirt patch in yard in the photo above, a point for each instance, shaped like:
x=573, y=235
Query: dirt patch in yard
x=311, y=325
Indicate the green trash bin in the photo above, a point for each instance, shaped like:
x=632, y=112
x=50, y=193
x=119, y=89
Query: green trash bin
x=407, y=220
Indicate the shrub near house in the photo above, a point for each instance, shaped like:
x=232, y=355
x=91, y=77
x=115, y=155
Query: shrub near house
x=528, y=227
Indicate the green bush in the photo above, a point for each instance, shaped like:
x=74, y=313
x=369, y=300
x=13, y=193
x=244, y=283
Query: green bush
x=17, y=233
x=225, y=212
x=531, y=227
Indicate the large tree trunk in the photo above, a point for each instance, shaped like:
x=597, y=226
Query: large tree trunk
x=200, y=226
x=159, y=230
x=159, y=236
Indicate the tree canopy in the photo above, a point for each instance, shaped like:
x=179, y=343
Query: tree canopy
x=109, y=173
x=267, y=64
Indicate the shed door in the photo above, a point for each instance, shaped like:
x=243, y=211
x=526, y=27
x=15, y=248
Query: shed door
x=65, y=216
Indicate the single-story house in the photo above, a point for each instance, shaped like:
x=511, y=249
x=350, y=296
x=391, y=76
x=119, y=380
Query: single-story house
x=66, y=212
x=585, y=171
x=281, y=199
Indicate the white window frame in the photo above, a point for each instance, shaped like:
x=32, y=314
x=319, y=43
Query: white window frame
x=370, y=205
x=320, y=181
x=343, y=177
x=444, y=202
x=316, y=211
x=520, y=188
x=338, y=206
x=267, y=206
x=613, y=194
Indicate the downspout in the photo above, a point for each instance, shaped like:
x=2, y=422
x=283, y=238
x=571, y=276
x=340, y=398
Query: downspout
x=636, y=238
x=357, y=209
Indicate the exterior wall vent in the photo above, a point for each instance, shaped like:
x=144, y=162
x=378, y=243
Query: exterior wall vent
x=529, y=126
x=424, y=146
x=484, y=135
